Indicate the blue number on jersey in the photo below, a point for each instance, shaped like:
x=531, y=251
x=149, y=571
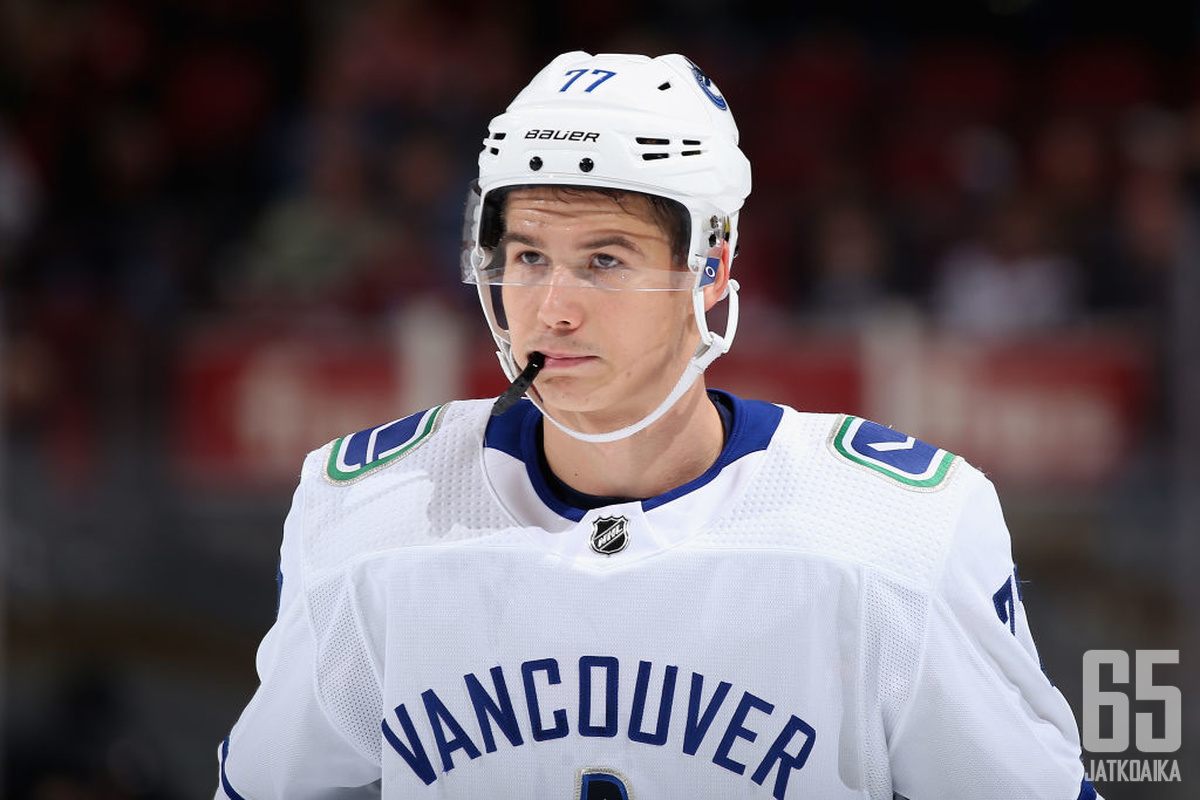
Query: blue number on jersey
x=1006, y=603
x=596, y=784
x=906, y=460
x=1006, y=606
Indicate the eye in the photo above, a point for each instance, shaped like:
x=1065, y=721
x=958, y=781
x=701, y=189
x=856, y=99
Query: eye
x=606, y=261
x=530, y=258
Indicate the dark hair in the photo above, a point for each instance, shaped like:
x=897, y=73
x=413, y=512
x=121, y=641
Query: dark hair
x=670, y=216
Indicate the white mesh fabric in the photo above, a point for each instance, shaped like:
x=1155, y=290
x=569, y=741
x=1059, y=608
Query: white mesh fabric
x=347, y=678
x=870, y=521
x=441, y=480
x=894, y=620
x=806, y=499
x=347, y=525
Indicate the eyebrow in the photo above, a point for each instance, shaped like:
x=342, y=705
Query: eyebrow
x=613, y=240
x=519, y=238
x=602, y=241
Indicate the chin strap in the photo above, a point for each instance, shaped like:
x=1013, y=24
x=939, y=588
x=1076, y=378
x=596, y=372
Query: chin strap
x=705, y=355
x=711, y=347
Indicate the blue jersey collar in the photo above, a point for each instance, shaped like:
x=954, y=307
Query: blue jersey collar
x=516, y=433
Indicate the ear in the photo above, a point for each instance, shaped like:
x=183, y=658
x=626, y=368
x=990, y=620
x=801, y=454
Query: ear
x=714, y=291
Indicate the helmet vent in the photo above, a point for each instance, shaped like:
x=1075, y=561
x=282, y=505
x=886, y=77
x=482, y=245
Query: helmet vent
x=653, y=141
x=664, y=86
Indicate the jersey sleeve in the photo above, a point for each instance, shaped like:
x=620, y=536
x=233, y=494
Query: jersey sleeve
x=983, y=720
x=285, y=744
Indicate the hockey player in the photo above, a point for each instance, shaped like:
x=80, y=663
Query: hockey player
x=626, y=585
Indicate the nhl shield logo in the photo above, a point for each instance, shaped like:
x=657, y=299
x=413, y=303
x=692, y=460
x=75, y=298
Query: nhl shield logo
x=610, y=535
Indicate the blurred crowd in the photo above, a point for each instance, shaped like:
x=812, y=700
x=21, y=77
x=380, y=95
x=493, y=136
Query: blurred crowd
x=163, y=163
x=159, y=162
x=1003, y=192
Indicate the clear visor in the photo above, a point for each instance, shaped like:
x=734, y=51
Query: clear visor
x=490, y=258
x=513, y=264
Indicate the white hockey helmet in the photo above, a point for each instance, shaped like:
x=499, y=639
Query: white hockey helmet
x=657, y=126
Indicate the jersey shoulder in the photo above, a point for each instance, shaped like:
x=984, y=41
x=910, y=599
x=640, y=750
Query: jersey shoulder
x=892, y=455
x=881, y=458
x=356, y=456
x=843, y=488
x=413, y=481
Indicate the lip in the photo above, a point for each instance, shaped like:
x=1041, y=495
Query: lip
x=564, y=360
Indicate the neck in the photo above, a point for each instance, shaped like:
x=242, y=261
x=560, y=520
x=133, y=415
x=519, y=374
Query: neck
x=676, y=449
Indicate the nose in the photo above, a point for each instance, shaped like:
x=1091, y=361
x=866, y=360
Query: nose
x=559, y=307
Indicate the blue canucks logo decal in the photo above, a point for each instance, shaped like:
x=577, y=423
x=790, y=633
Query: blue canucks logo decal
x=906, y=460
x=709, y=88
x=353, y=456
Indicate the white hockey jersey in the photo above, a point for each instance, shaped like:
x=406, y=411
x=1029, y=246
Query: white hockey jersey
x=829, y=612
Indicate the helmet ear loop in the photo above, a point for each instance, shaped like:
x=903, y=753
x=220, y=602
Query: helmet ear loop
x=709, y=275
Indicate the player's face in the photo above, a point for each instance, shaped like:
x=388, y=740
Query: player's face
x=611, y=356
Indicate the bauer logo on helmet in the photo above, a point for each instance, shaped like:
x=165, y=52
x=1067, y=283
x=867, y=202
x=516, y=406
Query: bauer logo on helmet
x=562, y=136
